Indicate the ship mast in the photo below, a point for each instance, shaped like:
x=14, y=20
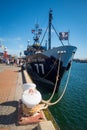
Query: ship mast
x=49, y=29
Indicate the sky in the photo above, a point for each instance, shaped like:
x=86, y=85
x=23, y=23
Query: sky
x=18, y=18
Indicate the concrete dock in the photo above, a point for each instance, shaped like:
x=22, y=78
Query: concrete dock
x=11, y=82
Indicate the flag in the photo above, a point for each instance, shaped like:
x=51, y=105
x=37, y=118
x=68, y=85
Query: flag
x=63, y=35
x=39, y=31
x=33, y=30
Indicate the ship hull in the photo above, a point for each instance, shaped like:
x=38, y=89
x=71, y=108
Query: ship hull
x=47, y=63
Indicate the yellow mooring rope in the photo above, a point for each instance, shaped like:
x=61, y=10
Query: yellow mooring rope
x=48, y=103
x=57, y=78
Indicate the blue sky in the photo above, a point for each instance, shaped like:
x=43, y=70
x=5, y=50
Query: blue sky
x=18, y=18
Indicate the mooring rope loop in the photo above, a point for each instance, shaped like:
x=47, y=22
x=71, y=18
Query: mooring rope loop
x=50, y=70
x=48, y=103
x=57, y=77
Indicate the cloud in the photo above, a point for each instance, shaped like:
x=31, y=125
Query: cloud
x=14, y=39
x=2, y=40
x=13, y=52
x=14, y=45
x=10, y=39
x=21, y=46
x=17, y=39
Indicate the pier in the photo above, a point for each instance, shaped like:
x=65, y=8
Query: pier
x=11, y=81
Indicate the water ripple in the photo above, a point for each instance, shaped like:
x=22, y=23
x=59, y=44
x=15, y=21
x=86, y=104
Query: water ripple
x=71, y=111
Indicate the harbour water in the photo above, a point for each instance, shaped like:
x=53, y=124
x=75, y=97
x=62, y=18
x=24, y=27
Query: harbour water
x=71, y=112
